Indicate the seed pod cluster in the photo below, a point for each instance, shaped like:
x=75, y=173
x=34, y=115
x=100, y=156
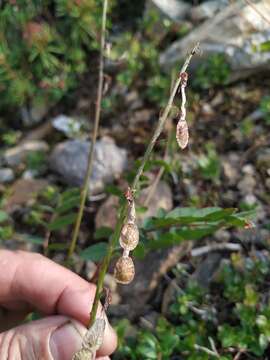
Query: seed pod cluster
x=124, y=270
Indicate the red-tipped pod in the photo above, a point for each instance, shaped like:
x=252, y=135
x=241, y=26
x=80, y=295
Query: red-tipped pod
x=124, y=270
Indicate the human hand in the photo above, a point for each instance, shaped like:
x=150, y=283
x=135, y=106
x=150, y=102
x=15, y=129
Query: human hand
x=30, y=282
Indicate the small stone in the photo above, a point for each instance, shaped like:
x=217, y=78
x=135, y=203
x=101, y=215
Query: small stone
x=67, y=125
x=208, y=9
x=18, y=154
x=250, y=199
x=175, y=10
x=263, y=160
x=247, y=185
x=69, y=159
x=231, y=173
x=6, y=175
x=267, y=183
x=222, y=235
x=90, y=270
x=206, y=270
x=248, y=169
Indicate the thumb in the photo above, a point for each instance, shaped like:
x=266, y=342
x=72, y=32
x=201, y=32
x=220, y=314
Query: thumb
x=52, y=338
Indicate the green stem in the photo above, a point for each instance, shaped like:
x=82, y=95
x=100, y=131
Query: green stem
x=123, y=209
x=85, y=188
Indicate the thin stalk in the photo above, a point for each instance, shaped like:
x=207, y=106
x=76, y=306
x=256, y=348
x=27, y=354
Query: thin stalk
x=85, y=187
x=123, y=210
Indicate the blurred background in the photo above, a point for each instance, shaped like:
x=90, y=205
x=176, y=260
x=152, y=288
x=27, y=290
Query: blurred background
x=201, y=289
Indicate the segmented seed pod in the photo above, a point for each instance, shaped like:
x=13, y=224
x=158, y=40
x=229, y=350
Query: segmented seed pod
x=182, y=135
x=84, y=354
x=129, y=236
x=124, y=270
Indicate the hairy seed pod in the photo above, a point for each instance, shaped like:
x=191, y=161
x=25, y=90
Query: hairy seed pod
x=182, y=135
x=124, y=270
x=129, y=236
x=94, y=336
x=84, y=354
x=132, y=213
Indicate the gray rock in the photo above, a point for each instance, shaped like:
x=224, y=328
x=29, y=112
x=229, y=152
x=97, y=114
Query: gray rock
x=15, y=155
x=207, y=268
x=247, y=185
x=174, y=9
x=263, y=160
x=6, y=175
x=230, y=165
x=248, y=169
x=237, y=31
x=222, y=235
x=250, y=199
x=69, y=160
x=69, y=126
x=207, y=9
x=34, y=114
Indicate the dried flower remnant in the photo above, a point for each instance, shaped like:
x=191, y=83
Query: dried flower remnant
x=124, y=270
x=92, y=341
x=182, y=134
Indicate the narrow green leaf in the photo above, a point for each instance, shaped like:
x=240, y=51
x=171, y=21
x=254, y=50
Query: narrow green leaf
x=58, y=246
x=94, y=252
x=103, y=233
x=34, y=239
x=68, y=204
x=3, y=216
x=62, y=222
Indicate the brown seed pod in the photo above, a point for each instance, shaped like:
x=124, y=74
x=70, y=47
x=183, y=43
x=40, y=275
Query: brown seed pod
x=124, y=270
x=84, y=354
x=129, y=236
x=182, y=135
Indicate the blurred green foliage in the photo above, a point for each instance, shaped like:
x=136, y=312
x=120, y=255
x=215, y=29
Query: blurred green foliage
x=265, y=108
x=44, y=47
x=212, y=72
x=231, y=316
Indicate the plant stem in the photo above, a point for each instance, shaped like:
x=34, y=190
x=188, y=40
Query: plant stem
x=123, y=209
x=85, y=188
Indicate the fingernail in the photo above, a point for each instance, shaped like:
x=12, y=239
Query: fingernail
x=65, y=341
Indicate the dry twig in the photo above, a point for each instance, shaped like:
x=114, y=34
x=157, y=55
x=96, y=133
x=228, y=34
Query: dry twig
x=124, y=208
x=85, y=188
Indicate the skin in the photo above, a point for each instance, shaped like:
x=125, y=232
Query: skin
x=30, y=282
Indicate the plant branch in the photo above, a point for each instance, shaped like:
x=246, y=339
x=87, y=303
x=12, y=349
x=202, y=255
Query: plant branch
x=123, y=209
x=162, y=119
x=85, y=188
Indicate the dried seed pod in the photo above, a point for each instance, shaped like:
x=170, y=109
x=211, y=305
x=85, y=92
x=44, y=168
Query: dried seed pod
x=182, y=135
x=92, y=341
x=84, y=354
x=129, y=236
x=124, y=270
x=132, y=213
x=94, y=336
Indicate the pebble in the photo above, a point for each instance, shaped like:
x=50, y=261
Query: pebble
x=18, y=154
x=6, y=175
